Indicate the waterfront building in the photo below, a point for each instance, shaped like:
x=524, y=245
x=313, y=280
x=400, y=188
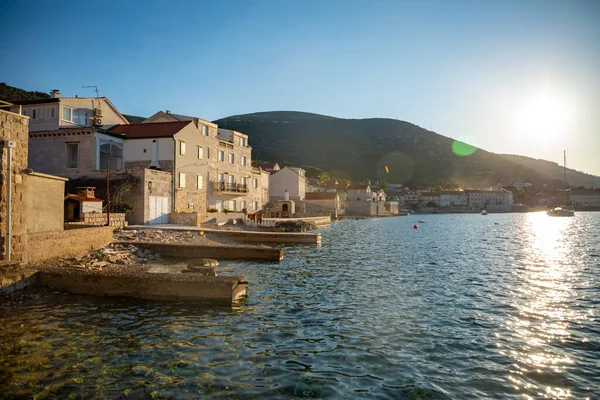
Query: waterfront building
x=454, y=199
x=582, y=199
x=490, y=200
x=429, y=199
x=288, y=179
x=327, y=200
x=171, y=169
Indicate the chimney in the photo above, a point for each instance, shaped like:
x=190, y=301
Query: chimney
x=54, y=94
x=286, y=196
x=154, y=163
x=86, y=191
x=168, y=111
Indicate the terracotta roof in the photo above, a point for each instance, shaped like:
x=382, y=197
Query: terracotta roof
x=321, y=195
x=81, y=198
x=149, y=130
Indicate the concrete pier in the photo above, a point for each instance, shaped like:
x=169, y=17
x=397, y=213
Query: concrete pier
x=217, y=252
x=241, y=235
x=154, y=283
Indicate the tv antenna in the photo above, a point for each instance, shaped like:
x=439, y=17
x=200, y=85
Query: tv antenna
x=95, y=89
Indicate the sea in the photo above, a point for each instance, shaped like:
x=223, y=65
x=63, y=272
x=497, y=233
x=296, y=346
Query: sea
x=502, y=306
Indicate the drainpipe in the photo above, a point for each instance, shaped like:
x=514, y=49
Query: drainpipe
x=8, y=144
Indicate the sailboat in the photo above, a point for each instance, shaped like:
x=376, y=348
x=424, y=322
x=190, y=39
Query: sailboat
x=563, y=211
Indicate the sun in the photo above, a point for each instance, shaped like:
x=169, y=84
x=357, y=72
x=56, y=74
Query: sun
x=542, y=117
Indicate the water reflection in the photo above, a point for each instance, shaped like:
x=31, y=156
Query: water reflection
x=544, y=301
x=464, y=307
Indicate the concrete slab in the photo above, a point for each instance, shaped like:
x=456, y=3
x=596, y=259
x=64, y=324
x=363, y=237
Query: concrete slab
x=216, y=252
x=241, y=235
x=146, y=282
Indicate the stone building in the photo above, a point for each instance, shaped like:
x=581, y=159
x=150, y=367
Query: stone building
x=211, y=167
x=68, y=112
x=36, y=203
x=490, y=200
x=288, y=179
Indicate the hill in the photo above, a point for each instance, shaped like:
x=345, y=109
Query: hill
x=377, y=149
x=10, y=94
x=553, y=170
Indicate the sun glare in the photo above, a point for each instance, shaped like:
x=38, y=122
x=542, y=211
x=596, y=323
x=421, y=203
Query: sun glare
x=542, y=117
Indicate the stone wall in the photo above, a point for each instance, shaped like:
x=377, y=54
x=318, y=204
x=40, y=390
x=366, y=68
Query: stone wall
x=14, y=127
x=190, y=219
x=99, y=219
x=165, y=165
x=152, y=183
x=47, y=245
x=45, y=202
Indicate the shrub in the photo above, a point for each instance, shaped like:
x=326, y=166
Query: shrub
x=212, y=210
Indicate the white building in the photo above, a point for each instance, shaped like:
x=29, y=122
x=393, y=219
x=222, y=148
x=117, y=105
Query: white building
x=455, y=199
x=68, y=112
x=292, y=180
x=490, y=200
x=585, y=198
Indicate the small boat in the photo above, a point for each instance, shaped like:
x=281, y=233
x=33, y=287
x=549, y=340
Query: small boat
x=560, y=212
x=563, y=211
x=483, y=212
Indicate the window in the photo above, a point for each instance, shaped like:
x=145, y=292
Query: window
x=34, y=113
x=254, y=183
x=221, y=155
x=231, y=179
x=244, y=182
x=79, y=117
x=200, y=152
x=67, y=114
x=72, y=155
x=208, y=153
x=200, y=182
x=243, y=205
x=52, y=113
x=181, y=180
x=111, y=155
x=244, y=161
x=242, y=142
x=182, y=147
x=255, y=205
x=231, y=158
x=205, y=130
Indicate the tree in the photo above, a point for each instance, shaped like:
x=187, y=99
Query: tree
x=324, y=177
x=432, y=204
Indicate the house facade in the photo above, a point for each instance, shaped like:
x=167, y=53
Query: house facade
x=327, y=200
x=490, y=200
x=68, y=112
x=290, y=179
x=585, y=198
x=454, y=199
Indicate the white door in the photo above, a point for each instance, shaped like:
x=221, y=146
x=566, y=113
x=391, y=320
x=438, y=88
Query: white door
x=158, y=210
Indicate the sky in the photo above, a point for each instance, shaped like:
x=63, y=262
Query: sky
x=519, y=77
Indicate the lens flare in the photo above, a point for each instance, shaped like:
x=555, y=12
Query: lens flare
x=462, y=149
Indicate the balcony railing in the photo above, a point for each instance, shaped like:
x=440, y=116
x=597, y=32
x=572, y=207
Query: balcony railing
x=229, y=187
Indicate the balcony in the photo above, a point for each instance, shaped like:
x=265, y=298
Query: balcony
x=229, y=188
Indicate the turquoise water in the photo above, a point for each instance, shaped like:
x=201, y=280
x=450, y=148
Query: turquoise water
x=465, y=306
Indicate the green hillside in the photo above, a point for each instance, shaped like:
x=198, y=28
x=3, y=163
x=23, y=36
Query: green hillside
x=554, y=170
x=362, y=148
x=10, y=94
